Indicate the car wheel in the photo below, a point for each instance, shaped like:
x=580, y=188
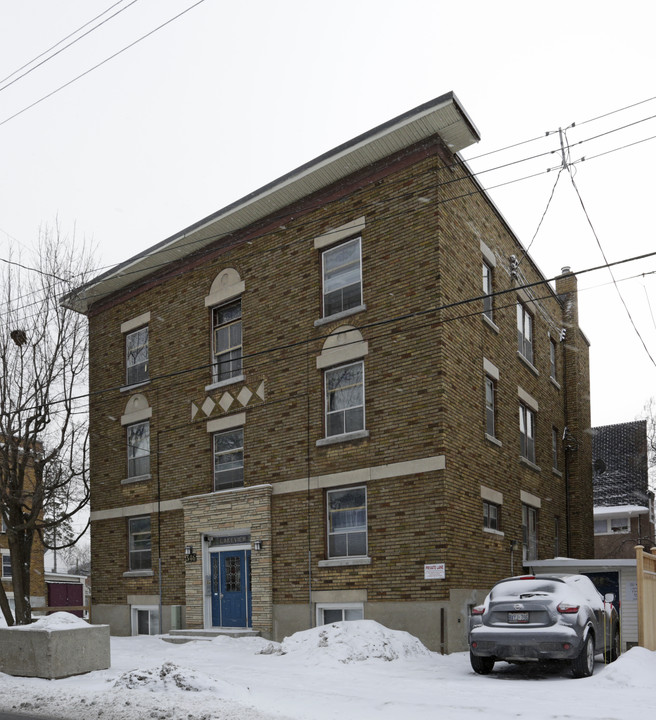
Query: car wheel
x=583, y=665
x=481, y=665
x=614, y=650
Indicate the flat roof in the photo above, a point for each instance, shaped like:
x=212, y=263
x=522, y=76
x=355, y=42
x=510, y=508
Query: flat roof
x=444, y=116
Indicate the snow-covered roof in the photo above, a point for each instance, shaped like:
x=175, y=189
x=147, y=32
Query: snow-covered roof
x=619, y=464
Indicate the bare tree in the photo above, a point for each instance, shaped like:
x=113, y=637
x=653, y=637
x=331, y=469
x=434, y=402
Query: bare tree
x=43, y=414
x=78, y=558
x=649, y=414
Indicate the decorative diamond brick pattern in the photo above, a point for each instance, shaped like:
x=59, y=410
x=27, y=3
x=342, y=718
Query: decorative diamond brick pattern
x=208, y=406
x=225, y=403
x=244, y=396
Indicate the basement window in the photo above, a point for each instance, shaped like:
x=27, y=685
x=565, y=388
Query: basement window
x=338, y=612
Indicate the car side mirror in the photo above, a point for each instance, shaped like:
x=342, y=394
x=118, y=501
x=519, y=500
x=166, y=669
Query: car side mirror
x=609, y=597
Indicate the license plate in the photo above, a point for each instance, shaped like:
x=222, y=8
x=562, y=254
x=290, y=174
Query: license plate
x=517, y=617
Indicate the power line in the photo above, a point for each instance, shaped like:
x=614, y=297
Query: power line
x=613, y=150
x=618, y=110
x=375, y=324
x=50, y=57
x=603, y=254
x=651, y=312
x=577, y=124
x=544, y=214
x=219, y=236
x=32, y=269
x=611, y=132
x=100, y=64
x=469, y=176
x=261, y=359
x=298, y=226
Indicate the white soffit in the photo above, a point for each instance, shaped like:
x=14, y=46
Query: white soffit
x=443, y=116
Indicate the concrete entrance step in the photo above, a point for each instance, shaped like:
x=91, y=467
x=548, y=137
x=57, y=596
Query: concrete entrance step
x=187, y=635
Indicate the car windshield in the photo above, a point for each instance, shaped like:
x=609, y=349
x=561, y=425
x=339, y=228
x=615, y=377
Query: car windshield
x=515, y=588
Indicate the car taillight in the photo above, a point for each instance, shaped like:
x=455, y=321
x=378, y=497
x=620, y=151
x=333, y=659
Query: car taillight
x=567, y=608
x=478, y=610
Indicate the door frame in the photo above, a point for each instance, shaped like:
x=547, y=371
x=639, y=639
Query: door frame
x=207, y=578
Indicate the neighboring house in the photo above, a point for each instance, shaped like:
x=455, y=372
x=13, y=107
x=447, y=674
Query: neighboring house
x=623, y=503
x=68, y=590
x=37, y=583
x=342, y=396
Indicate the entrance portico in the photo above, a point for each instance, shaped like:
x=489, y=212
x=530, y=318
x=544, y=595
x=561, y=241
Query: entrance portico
x=228, y=573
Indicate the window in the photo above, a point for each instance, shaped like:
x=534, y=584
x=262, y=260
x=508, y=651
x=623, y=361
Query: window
x=619, y=525
x=606, y=526
x=333, y=612
x=556, y=536
x=524, y=332
x=136, y=356
x=555, y=436
x=139, y=543
x=491, y=516
x=347, y=522
x=526, y=433
x=138, y=449
x=342, y=277
x=487, y=291
x=530, y=532
x=344, y=399
x=6, y=566
x=600, y=527
x=490, y=392
x=145, y=620
x=229, y=459
x=552, y=358
x=227, y=341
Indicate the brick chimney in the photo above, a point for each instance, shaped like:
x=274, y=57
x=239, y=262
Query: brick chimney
x=577, y=436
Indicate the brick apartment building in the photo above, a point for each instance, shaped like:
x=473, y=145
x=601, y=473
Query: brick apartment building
x=343, y=396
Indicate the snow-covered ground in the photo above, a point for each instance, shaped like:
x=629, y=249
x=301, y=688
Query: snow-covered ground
x=347, y=671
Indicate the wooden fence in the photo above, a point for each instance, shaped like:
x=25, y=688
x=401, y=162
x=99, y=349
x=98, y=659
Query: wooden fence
x=646, y=569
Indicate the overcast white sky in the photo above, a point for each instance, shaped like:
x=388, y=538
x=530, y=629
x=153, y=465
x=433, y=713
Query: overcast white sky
x=232, y=95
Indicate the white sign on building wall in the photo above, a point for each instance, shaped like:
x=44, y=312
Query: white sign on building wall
x=435, y=571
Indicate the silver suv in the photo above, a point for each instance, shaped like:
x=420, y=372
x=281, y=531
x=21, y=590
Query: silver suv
x=544, y=618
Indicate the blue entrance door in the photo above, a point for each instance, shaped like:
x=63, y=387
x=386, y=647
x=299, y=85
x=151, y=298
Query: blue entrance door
x=231, y=588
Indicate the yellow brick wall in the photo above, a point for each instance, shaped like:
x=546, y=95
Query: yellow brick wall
x=423, y=380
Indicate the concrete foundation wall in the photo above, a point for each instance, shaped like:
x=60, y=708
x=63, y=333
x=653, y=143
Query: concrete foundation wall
x=116, y=616
x=441, y=626
x=55, y=653
x=288, y=619
x=119, y=620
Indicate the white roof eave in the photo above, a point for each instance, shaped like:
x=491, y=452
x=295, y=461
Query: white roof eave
x=601, y=511
x=443, y=116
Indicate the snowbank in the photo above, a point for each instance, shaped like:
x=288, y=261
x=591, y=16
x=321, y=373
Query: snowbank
x=355, y=641
x=56, y=621
x=358, y=670
x=168, y=677
x=630, y=669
